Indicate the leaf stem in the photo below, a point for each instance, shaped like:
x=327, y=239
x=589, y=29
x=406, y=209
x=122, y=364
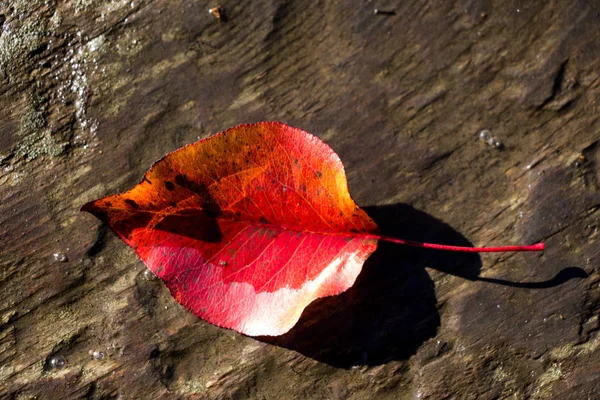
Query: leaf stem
x=533, y=247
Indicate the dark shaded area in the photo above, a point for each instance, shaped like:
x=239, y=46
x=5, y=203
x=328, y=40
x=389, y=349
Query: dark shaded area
x=560, y=278
x=391, y=309
x=209, y=205
x=557, y=84
x=195, y=224
x=100, y=241
x=123, y=222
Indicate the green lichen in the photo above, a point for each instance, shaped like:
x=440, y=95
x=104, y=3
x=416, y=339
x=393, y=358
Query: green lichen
x=193, y=386
x=544, y=387
x=83, y=5
x=33, y=120
x=39, y=144
x=55, y=21
x=36, y=140
x=96, y=44
x=21, y=7
x=16, y=45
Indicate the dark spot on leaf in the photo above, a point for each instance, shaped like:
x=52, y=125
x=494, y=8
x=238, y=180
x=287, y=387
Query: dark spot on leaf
x=211, y=213
x=209, y=206
x=263, y=220
x=170, y=186
x=132, y=203
x=318, y=174
x=192, y=223
x=181, y=180
x=186, y=183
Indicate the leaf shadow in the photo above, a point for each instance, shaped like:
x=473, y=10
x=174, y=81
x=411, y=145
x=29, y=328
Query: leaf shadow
x=564, y=275
x=100, y=242
x=391, y=309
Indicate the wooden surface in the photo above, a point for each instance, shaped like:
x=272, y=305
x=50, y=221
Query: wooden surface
x=93, y=92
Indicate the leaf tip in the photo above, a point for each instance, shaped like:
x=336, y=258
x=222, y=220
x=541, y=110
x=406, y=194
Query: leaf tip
x=88, y=207
x=92, y=207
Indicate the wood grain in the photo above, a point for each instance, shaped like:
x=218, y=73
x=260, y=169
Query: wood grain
x=92, y=93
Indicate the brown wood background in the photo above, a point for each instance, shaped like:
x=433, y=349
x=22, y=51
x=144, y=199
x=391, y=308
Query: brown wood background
x=93, y=92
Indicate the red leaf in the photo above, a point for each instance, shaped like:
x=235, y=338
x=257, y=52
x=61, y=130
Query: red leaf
x=248, y=227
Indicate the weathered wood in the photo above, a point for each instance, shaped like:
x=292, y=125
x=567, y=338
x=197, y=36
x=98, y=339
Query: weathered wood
x=92, y=93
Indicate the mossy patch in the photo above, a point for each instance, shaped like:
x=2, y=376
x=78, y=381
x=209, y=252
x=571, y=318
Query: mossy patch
x=38, y=144
x=16, y=44
x=36, y=139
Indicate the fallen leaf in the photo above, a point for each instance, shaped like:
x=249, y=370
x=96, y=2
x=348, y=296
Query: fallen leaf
x=248, y=227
